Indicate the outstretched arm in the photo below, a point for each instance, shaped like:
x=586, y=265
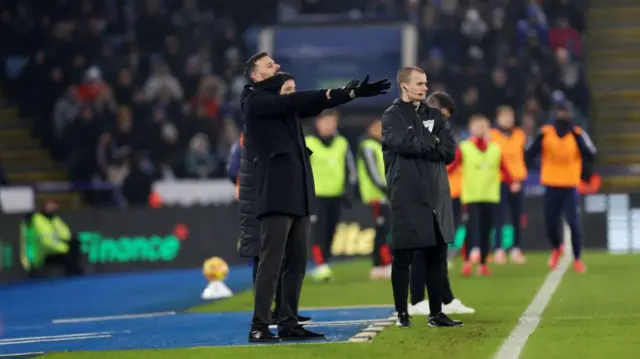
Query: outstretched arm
x=334, y=98
x=265, y=105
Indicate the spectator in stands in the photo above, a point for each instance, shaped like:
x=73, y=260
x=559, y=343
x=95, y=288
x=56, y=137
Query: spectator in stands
x=82, y=138
x=65, y=110
x=198, y=162
x=105, y=105
x=137, y=186
x=563, y=35
x=180, y=61
x=93, y=84
x=569, y=77
x=124, y=91
x=162, y=81
x=500, y=91
x=114, y=149
x=532, y=32
x=161, y=138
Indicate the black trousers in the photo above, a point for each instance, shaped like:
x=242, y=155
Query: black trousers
x=282, y=259
x=381, y=254
x=457, y=212
x=435, y=266
x=325, y=227
x=559, y=201
x=479, y=228
x=70, y=262
x=515, y=202
x=418, y=280
x=278, y=297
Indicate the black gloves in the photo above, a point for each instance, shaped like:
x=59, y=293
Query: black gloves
x=366, y=89
x=351, y=85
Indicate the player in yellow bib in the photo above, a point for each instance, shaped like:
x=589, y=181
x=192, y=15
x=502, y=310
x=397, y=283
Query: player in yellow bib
x=482, y=164
x=334, y=175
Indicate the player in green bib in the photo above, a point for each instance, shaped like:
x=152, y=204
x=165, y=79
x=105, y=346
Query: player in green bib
x=482, y=163
x=334, y=176
x=373, y=192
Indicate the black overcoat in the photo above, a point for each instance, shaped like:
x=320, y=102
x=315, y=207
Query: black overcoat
x=417, y=144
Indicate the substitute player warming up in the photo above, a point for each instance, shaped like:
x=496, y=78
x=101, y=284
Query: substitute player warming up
x=481, y=162
x=562, y=147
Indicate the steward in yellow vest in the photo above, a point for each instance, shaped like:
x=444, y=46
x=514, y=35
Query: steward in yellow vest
x=373, y=192
x=482, y=164
x=334, y=175
x=47, y=242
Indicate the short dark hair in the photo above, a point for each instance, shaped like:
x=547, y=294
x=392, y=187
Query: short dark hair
x=442, y=100
x=250, y=65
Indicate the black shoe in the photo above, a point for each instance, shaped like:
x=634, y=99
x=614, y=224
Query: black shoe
x=263, y=336
x=404, y=320
x=299, y=333
x=274, y=318
x=441, y=320
x=303, y=320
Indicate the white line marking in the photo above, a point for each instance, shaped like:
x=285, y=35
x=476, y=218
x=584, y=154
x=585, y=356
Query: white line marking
x=20, y=354
x=339, y=323
x=57, y=339
x=111, y=317
x=349, y=307
x=310, y=342
x=530, y=319
x=7, y=340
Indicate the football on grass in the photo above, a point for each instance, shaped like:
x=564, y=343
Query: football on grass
x=215, y=269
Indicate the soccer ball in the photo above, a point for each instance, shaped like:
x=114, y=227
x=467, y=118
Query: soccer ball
x=215, y=269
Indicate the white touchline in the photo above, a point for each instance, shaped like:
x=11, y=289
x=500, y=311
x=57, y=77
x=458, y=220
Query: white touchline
x=340, y=323
x=56, y=339
x=20, y=354
x=530, y=319
x=8, y=340
x=111, y=317
x=345, y=307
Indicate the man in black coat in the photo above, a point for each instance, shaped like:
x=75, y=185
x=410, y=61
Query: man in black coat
x=283, y=186
x=450, y=304
x=240, y=172
x=417, y=145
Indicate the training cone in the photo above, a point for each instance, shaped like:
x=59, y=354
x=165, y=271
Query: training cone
x=216, y=290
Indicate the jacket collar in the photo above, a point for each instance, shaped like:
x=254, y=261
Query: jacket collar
x=273, y=84
x=402, y=104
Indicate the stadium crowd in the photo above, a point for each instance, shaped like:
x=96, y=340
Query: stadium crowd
x=151, y=87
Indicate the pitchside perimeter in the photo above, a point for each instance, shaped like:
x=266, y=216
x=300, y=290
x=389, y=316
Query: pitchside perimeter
x=171, y=330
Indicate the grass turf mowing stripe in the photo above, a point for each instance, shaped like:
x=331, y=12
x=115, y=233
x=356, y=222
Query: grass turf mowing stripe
x=592, y=316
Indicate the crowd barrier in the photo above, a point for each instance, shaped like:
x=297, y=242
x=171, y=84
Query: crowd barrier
x=183, y=237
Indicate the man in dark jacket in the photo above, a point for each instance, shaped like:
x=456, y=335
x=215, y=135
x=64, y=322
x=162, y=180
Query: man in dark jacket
x=240, y=172
x=284, y=188
x=450, y=304
x=417, y=145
